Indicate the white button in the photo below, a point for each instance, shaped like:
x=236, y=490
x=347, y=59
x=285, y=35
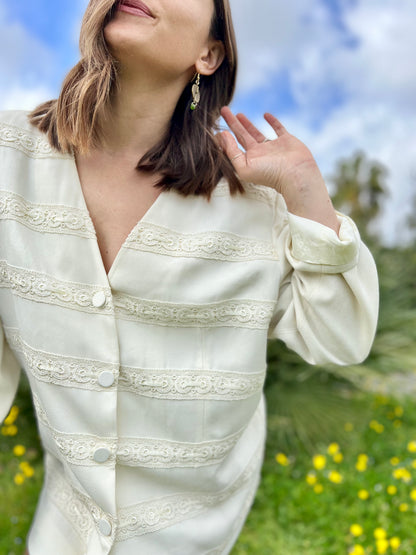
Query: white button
x=102, y=455
x=104, y=527
x=99, y=299
x=106, y=379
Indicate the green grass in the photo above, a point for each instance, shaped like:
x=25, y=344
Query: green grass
x=288, y=516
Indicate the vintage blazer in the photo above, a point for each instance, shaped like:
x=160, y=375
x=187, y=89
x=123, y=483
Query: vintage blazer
x=148, y=382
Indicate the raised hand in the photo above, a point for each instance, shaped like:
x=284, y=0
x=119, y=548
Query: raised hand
x=285, y=164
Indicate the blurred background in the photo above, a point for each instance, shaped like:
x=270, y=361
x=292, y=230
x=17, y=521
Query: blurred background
x=340, y=75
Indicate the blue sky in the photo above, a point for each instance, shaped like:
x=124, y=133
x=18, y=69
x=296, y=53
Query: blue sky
x=338, y=73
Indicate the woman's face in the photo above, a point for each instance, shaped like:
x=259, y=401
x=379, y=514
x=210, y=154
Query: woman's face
x=170, y=41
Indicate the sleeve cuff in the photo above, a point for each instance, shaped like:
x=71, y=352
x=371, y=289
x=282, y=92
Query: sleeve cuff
x=318, y=245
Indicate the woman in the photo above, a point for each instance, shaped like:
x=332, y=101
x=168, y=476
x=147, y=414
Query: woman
x=156, y=259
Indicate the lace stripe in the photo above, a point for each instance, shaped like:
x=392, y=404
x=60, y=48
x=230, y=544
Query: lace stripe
x=45, y=218
x=181, y=384
x=148, y=516
x=79, y=449
x=234, y=313
x=210, y=245
x=29, y=143
x=191, y=384
x=255, y=192
x=44, y=288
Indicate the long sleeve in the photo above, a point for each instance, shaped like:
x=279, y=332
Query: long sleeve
x=9, y=376
x=327, y=306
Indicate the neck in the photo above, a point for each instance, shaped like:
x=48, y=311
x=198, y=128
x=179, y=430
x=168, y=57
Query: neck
x=140, y=115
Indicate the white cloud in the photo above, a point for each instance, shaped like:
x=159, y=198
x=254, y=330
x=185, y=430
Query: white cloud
x=26, y=66
x=364, y=58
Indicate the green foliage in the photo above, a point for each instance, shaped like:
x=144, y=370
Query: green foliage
x=360, y=191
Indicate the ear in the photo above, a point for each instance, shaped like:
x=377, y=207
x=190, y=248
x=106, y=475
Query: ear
x=211, y=58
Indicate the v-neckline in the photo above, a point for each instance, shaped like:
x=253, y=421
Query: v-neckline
x=108, y=275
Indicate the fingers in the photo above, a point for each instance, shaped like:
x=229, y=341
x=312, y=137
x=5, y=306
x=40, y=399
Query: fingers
x=230, y=147
x=254, y=132
x=243, y=136
x=275, y=123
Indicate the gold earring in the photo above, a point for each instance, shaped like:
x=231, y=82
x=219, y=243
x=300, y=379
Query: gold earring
x=196, y=95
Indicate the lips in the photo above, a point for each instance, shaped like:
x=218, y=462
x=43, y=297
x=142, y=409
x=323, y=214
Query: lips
x=137, y=6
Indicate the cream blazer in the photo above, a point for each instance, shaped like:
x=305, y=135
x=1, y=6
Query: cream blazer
x=148, y=382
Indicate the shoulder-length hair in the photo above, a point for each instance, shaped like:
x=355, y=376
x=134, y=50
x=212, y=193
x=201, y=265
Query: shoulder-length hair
x=188, y=157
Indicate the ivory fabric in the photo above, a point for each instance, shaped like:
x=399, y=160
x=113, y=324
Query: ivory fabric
x=148, y=382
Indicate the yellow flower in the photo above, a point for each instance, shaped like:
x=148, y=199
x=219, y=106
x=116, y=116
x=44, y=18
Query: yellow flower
x=411, y=446
x=348, y=427
x=363, y=494
x=403, y=507
x=333, y=449
x=394, y=461
x=28, y=471
x=361, y=466
x=402, y=474
x=379, y=429
x=318, y=488
x=357, y=550
x=362, y=457
x=398, y=411
x=382, y=546
x=282, y=459
x=11, y=417
x=12, y=430
x=335, y=477
x=414, y=463
x=338, y=457
x=19, y=479
x=311, y=478
x=373, y=424
x=319, y=462
x=380, y=534
x=391, y=490
x=19, y=450
x=397, y=423
x=395, y=543
x=356, y=530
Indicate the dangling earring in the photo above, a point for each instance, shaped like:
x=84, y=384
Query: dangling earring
x=196, y=95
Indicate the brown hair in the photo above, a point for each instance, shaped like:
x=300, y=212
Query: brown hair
x=188, y=157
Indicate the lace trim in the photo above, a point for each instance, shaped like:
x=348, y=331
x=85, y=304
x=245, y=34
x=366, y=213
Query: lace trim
x=71, y=506
x=210, y=245
x=183, y=384
x=78, y=507
x=79, y=449
x=148, y=516
x=29, y=143
x=191, y=384
x=43, y=288
x=46, y=218
x=234, y=313
x=256, y=192
x=225, y=547
x=60, y=370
